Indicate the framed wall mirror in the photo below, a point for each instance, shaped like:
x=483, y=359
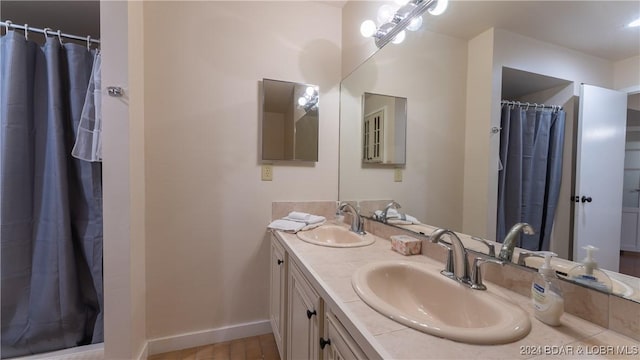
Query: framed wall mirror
x=384, y=129
x=289, y=117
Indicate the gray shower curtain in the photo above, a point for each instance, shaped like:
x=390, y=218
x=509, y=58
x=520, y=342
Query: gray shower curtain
x=51, y=213
x=531, y=142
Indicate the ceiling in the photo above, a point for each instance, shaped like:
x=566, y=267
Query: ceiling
x=80, y=18
x=597, y=28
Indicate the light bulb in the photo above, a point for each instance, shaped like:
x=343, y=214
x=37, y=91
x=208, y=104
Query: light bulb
x=399, y=38
x=441, y=6
x=302, y=101
x=415, y=24
x=368, y=28
x=310, y=91
x=385, y=13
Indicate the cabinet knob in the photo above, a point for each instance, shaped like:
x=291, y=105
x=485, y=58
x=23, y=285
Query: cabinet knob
x=310, y=313
x=280, y=262
x=324, y=342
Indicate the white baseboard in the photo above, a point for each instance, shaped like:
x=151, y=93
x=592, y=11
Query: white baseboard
x=205, y=337
x=144, y=352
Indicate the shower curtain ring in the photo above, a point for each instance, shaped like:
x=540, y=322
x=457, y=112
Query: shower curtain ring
x=88, y=42
x=7, y=24
x=60, y=38
x=26, y=31
x=45, y=31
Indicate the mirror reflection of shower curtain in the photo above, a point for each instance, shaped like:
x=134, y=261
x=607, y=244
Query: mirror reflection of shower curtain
x=531, y=142
x=51, y=214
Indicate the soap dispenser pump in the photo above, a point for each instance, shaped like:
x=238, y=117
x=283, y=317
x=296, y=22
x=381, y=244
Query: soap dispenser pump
x=545, y=293
x=588, y=273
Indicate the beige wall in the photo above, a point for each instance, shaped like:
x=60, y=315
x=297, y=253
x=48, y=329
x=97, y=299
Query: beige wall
x=432, y=186
x=207, y=210
x=504, y=48
x=355, y=48
x=627, y=74
x=124, y=181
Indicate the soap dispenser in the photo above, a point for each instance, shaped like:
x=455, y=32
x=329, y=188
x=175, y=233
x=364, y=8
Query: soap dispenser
x=546, y=295
x=588, y=273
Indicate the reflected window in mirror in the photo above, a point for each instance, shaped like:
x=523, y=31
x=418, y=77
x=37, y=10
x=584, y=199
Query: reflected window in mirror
x=384, y=129
x=289, y=115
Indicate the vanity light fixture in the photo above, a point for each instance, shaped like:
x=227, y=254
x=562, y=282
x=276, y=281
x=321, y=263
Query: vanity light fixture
x=634, y=23
x=392, y=22
x=309, y=99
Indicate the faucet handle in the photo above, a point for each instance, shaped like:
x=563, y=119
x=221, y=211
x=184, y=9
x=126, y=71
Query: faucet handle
x=523, y=255
x=490, y=246
x=476, y=273
x=448, y=268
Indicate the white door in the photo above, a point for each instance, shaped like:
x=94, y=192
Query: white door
x=373, y=137
x=599, y=170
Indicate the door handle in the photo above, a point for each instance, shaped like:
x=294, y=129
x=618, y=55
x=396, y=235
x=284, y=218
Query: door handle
x=585, y=199
x=280, y=262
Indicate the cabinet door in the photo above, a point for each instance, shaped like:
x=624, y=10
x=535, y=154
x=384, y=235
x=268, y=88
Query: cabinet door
x=336, y=343
x=303, y=320
x=277, y=296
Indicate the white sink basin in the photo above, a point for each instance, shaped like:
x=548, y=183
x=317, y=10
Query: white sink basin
x=335, y=236
x=418, y=296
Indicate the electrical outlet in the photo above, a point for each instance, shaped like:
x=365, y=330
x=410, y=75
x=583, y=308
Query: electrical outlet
x=397, y=175
x=267, y=172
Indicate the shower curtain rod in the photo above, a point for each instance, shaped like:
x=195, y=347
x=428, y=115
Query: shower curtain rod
x=533, y=105
x=9, y=24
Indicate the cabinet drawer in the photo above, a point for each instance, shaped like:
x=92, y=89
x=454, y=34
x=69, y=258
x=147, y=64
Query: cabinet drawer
x=338, y=344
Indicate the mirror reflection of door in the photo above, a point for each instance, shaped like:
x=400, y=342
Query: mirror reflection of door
x=373, y=134
x=599, y=167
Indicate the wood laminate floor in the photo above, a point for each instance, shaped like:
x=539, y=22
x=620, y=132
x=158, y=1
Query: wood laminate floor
x=251, y=348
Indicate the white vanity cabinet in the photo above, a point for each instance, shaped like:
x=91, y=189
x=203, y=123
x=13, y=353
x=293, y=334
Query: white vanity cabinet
x=304, y=317
x=278, y=294
x=336, y=343
x=303, y=324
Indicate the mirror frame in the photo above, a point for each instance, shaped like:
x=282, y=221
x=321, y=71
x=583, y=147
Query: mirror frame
x=384, y=132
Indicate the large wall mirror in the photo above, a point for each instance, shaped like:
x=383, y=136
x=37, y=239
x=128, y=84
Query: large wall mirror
x=289, y=121
x=455, y=73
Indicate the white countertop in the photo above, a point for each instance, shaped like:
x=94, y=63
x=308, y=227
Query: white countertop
x=330, y=270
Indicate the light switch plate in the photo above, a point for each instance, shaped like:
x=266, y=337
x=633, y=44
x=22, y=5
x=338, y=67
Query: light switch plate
x=267, y=172
x=397, y=175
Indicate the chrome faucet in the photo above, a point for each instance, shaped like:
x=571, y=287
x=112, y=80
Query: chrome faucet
x=357, y=223
x=510, y=241
x=390, y=205
x=457, y=266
